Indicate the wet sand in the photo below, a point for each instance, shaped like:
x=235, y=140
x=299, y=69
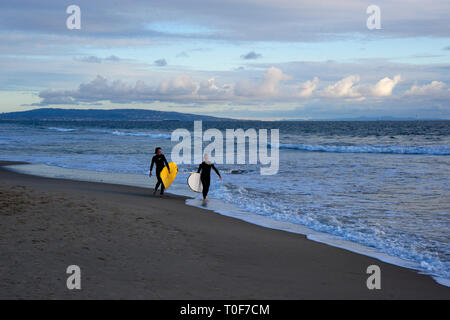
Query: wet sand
x=130, y=244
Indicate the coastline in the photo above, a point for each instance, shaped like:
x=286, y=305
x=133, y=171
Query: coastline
x=132, y=245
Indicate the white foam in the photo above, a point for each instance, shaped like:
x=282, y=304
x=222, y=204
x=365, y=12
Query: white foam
x=42, y=170
x=394, y=149
x=61, y=129
x=132, y=133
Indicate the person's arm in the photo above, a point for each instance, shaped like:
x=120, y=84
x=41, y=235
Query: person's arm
x=199, y=168
x=217, y=171
x=167, y=164
x=151, y=165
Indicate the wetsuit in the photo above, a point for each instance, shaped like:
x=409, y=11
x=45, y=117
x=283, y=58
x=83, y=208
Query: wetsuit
x=205, y=175
x=160, y=161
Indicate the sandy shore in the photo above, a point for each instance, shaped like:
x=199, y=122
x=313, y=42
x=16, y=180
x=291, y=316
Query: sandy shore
x=132, y=245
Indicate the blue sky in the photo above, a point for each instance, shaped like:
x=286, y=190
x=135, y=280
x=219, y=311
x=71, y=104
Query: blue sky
x=246, y=59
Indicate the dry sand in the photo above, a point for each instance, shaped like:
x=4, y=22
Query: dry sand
x=132, y=245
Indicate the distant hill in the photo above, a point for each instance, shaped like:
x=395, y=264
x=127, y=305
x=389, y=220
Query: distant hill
x=380, y=118
x=98, y=114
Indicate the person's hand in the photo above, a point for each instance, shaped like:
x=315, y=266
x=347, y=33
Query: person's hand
x=150, y=174
x=220, y=177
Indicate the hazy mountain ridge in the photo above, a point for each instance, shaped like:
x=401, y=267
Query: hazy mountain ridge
x=99, y=114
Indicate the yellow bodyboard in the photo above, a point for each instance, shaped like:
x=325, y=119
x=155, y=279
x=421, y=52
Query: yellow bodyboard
x=167, y=177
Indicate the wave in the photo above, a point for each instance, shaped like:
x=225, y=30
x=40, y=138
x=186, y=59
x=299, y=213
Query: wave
x=5, y=140
x=338, y=230
x=430, y=150
x=141, y=134
x=61, y=129
x=132, y=134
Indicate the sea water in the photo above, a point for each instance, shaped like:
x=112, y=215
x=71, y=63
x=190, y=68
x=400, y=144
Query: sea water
x=380, y=188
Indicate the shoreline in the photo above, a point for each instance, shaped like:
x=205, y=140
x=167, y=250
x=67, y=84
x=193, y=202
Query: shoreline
x=220, y=207
x=235, y=258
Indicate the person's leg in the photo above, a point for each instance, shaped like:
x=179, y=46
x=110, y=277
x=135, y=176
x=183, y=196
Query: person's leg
x=205, y=183
x=157, y=184
x=160, y=182
x=162, y=188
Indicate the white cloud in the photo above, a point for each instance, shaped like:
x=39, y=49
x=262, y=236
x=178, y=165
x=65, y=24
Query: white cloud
x=307, y=88
x=271, y=87
x=434, y=87
x=179, y=89
x=268, y=86
x=271, y=79
x=183, y=89
x=344, y=88
x=349, y=88
x=384, y=87
x=181, y=85
x=208, y=90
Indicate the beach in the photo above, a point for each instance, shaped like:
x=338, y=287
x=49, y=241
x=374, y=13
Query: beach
x=130, y=244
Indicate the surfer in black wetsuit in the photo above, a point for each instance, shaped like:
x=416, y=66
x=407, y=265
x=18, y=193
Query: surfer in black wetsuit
x=160, y=161
x=205, y=175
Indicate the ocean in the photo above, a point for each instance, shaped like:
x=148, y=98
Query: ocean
x=380, y=188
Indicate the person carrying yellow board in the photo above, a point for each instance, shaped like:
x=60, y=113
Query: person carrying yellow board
x=160, y=161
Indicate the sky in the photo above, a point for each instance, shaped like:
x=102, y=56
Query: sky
x=248, y=59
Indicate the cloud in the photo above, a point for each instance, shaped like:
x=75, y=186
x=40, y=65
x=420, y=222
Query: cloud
x=273, y=87
x=384, y=87
x=89, y=59
x=307, y=88
x=433, y=88
x=250, y=20
x=182, y=54
x=181, y=85
x=343, y=88
x=182, y=89
x=210, y=90
x=56, y=97
x=223, y=27
x=268, y=86
x=350, y=88
x=160, y=62
x=112, y=58
x=95, y=59
x=252, y=55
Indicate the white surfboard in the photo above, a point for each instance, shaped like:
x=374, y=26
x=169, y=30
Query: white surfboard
x=194, y=182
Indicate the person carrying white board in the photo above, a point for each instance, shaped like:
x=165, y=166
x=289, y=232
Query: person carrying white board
x=205, y=174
